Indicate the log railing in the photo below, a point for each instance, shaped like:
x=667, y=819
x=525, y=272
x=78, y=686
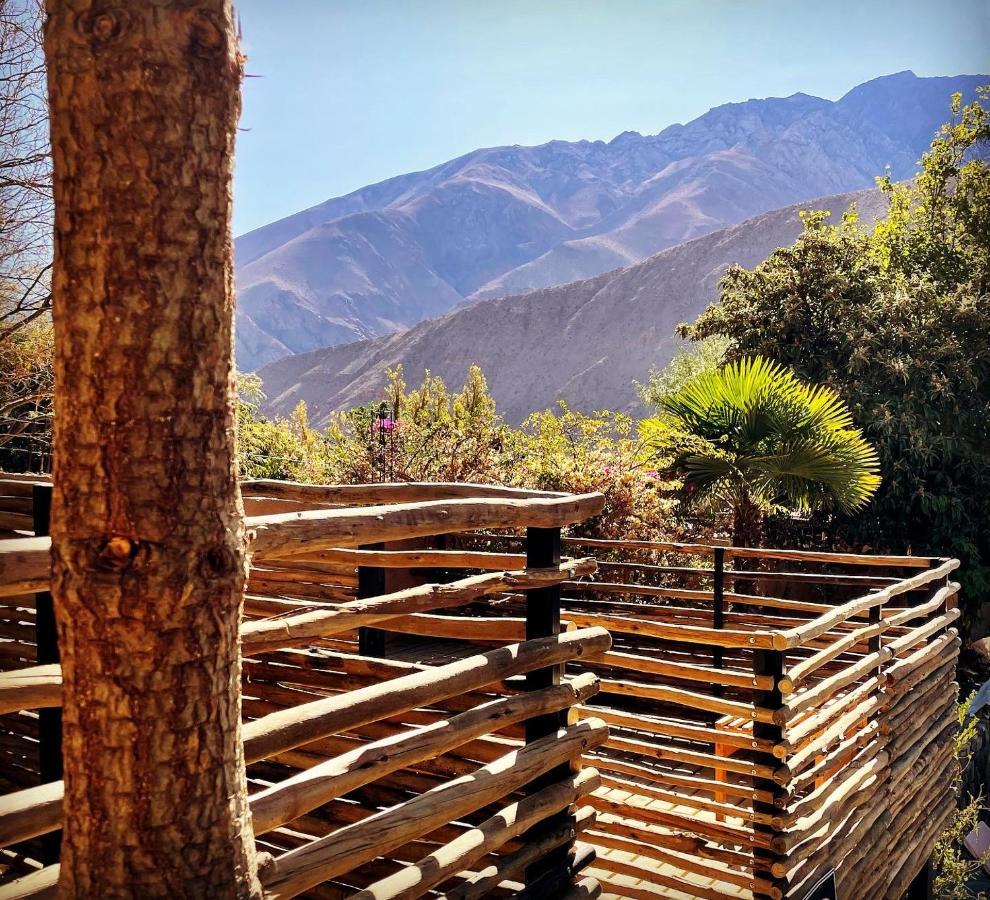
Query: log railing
x=764, y=738
x=373, y=777
x=775, y=716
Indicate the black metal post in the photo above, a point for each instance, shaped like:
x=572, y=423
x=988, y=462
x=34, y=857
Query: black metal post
x=46, y=635
x=371, y=583
x=718, y=610
x=921, y=887
x=543, y=620
x=876, y=642
x=768, y=662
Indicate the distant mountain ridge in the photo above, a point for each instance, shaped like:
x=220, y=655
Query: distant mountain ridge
x=507, y=220
x=584, y=343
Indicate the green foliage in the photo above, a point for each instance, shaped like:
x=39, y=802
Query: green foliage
x=896, y=321
x=765, y=437
x=952, y=863
x=705, y=355
x=568, y=451
x=430, y=433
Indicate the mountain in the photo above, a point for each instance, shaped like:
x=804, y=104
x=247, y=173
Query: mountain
x=507, y=220
x=584, y=343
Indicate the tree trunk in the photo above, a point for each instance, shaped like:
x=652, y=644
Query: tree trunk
x=747, y=521
x=147, y=530
x=747, y=531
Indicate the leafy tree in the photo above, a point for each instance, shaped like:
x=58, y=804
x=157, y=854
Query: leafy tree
x=896, y=321
x=767, y=439
x=564, y=450
x=705, y=355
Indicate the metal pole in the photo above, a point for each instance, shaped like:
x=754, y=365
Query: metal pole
x=371, y=583
x=543, y=620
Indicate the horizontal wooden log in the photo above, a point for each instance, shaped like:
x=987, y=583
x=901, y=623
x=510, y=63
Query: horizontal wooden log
x=482, y=883
x=413, y=559
x=25, y=565
x=39, y=885
x=675, y=728
x=796, y=676
x=687, y=671
x=35, y=687
x=298, y=870
x=295, y=796
x=465, y=628
x=688, y=634
x=289, y=728
x=923, y=632
x=302, y=628
x=667, y=840
x=281, y=535
x=812, y=721
x=307, y=722
x=692, y=757
x=691, y=699
x=691, y=800
x=461, y=853
x=941, y=596
x=29, y=812
x=795, y=637
x=386, y=492
x=649, y=815
x=685, y=862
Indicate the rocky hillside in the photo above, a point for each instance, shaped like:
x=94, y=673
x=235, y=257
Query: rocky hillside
x=511, y=219
x=585, y=342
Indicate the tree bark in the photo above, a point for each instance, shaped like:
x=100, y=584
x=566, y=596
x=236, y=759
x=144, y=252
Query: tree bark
x=147, y=533
x=747, y=521
x=747, y=531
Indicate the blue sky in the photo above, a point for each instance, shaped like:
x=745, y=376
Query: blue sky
x=354, y=91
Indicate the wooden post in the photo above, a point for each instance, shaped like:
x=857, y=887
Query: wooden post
x=543, y=620
x=371, y=583
x=768, y=662
x=49, y=720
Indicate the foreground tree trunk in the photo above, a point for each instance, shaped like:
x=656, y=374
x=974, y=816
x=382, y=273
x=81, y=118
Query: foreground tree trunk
x=147, y=533
x=747, y=531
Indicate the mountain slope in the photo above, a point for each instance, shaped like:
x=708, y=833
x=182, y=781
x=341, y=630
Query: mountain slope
x=585, y=342
x=510, y=219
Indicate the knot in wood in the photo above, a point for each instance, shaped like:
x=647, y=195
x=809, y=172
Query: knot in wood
x=207, y=37
x=218, y=562
x=102, y=26
x=117, y=551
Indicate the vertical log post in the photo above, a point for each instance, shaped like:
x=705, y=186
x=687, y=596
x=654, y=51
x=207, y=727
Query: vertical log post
x=543, y=620
x=149, y=554
x=768, y=662
x=49, y=720
x=371, y=583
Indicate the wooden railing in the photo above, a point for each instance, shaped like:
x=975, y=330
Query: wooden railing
x=777, y=717
x=372, y=776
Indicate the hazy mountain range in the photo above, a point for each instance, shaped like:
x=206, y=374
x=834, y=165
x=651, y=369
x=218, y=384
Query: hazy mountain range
x=508, y=220
x=584, y=343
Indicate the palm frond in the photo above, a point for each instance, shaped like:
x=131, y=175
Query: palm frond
x=787, y=441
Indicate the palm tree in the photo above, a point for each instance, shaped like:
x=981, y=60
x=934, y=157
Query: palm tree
x=763, y=438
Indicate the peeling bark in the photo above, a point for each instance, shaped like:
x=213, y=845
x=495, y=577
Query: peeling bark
x=147, y=535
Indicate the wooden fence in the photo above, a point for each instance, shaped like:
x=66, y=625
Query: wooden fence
x=369, y=777
x=776, y=717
